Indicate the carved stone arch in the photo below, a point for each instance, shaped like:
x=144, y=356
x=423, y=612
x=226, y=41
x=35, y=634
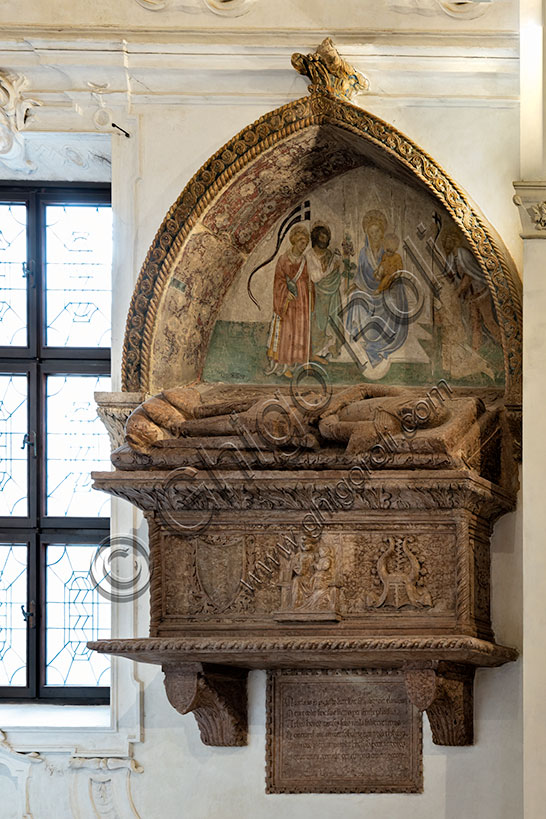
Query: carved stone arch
x=186, y=239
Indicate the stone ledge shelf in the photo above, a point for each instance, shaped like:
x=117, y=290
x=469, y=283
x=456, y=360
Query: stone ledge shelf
x=300, y=652
x=208, y=676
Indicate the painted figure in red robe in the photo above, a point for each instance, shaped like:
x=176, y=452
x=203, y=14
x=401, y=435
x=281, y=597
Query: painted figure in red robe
x=289, y=340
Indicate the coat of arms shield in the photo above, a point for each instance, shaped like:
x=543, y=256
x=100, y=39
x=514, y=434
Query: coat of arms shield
x=220, y=564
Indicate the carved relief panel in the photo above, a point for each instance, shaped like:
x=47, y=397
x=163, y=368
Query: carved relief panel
x=419, y=575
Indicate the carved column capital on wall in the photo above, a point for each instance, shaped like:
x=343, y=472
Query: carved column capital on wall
x=217, y=696
x=113, y=409
x=446, y=693
x=530, y=199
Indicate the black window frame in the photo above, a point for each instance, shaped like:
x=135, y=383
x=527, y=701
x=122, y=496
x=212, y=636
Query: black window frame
x=39, y=361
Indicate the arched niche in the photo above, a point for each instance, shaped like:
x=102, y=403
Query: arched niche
x=227, y=216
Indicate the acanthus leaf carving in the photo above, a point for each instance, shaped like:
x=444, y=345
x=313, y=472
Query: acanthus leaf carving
x=326, y=68
x=538, y=215
x=216, y=695
x=530, y=199
x=15, y=110
x=447, y=695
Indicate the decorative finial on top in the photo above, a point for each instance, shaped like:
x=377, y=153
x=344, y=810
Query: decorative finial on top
x=327, y=69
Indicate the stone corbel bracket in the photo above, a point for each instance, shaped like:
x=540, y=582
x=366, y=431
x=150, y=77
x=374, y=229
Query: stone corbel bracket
x=446, y=693
x=217, y=695
x=530, y=199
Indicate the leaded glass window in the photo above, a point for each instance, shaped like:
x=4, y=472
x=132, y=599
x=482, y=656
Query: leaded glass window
x=55, y=292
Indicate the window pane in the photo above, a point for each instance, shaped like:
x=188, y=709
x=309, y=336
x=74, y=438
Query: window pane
x=77, y=443
x=75, y=613
x=13, y=629
x=13, y=455
x=78, y=275
x=13, y=285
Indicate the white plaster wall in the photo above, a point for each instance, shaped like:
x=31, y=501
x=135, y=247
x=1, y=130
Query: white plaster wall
x=288, y=15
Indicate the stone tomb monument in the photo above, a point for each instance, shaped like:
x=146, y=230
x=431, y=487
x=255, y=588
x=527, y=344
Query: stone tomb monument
x=320, y=422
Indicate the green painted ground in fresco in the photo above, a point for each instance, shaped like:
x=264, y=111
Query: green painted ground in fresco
x=237, y=354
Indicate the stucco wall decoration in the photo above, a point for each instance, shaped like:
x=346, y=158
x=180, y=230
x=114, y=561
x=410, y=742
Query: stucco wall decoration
x=333, y=336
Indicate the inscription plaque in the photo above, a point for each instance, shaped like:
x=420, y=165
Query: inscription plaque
x=338, y=731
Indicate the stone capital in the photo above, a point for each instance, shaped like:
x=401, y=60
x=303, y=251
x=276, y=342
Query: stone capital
x=530, y=199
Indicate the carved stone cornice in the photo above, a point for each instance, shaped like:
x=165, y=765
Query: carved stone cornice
x=530, y=199
x=172, y=493
x=307, y=652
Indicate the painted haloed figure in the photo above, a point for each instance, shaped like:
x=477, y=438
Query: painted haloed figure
x=462, y=269
x=289, y=342
x=324, y=267
x=375, y=319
